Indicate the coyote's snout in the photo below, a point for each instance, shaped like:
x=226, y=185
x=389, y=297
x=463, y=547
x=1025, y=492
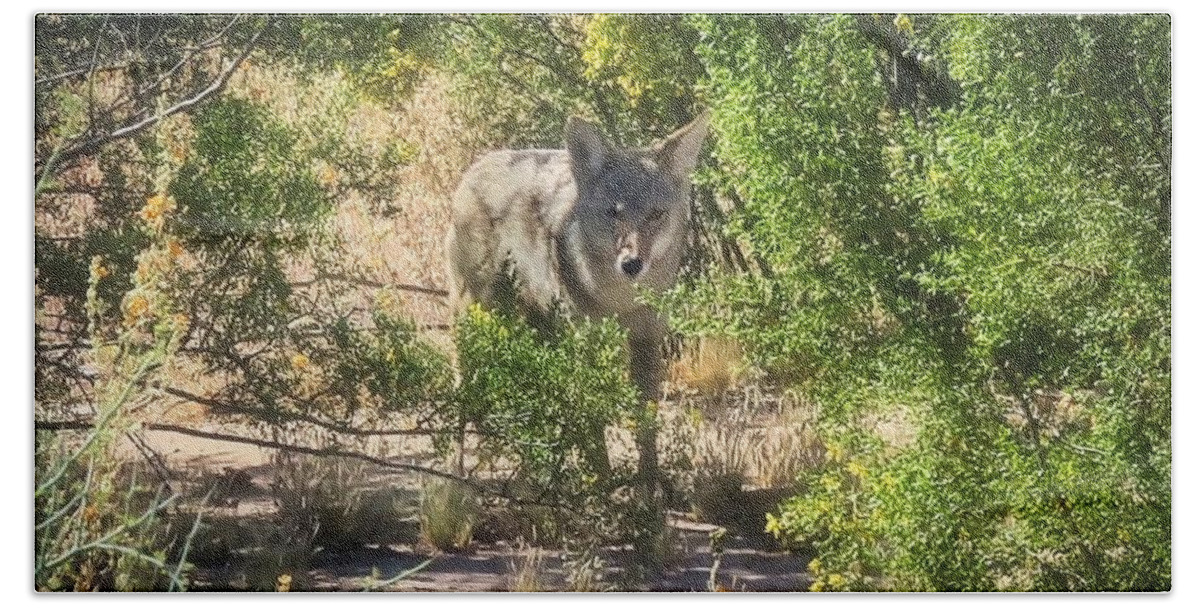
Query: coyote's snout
x=587, y=226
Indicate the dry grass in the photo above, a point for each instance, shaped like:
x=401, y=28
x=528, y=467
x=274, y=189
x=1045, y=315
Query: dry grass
x=747, y=444
x=764, y=437
x=709, y=365
x=448, y=513
x=527, y=571
x=401, y=241
x=585, y=573
x=776, y=456
x=319, y=499
x=894, y=427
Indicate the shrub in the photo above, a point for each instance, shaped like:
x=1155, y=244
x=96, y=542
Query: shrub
x=963, y=262
x=545, y=400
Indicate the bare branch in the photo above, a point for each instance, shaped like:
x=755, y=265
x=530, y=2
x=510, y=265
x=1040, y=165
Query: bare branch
x=190, y=53
x=225, y=407
x=911, y=72
x=343, y=278
x=326, y=452
x=218, y=84
x=297, y=449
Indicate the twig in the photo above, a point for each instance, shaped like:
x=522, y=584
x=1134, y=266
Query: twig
x=320, y=452
x=152, y=458
x=323, y=452
x=376, y=585
x=262, y=414
x=325, y=276
x=101, y=420
x=187, y=543
x=189, y=53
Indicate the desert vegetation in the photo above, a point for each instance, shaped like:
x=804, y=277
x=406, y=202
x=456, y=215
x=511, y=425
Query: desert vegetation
x=921, y=342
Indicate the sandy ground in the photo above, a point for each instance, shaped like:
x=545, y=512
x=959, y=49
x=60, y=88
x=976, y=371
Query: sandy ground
x=746, y=565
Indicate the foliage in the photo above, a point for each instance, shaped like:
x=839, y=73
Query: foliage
x=243, y=183
x=384, y=56
x=255, y=199
x=1000, y=269
x=181, y=238
x=522, y=76
x=101, y=77
x=91, y=533
x=545, y=400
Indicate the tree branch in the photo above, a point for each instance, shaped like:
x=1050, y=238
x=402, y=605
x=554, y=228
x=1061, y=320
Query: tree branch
x=911, y=73
x=218, y=84
x=324, y=452
x=342, y=278
x=297, y=449
x=224, y=407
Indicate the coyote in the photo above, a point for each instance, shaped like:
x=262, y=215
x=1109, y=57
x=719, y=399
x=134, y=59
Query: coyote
x=584, y=227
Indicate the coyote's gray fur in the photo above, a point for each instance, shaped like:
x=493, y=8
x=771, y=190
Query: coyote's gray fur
x=583, y=226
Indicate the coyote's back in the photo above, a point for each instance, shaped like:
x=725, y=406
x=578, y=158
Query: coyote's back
x=585, y=226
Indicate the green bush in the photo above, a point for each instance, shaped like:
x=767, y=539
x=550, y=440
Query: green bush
x=97, y=527
x=997, y=270
x=545, y=400
x=244, y=182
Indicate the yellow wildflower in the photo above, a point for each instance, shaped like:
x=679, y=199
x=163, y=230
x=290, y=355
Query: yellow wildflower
x=814, y=566
x=152, y=263
x=478, y=315
x=178, y=150
x=299, y=361
x=837, y=582
x=328, y=176
x=384, y=299
x=91, y=514
x=136, y=308
x=98, y=270
x=857, y=470
x=283, y=583
x=156, y=208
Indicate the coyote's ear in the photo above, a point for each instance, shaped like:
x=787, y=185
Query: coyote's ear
x=681, y=149
x=588, y=148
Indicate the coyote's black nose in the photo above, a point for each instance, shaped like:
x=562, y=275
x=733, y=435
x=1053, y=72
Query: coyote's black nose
x=632, y=266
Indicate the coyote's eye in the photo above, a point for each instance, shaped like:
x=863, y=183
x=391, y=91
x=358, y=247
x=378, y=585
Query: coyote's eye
x=655, y=215
x=612, y=212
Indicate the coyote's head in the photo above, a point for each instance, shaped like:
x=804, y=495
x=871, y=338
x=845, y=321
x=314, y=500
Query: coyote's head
x=634, y=203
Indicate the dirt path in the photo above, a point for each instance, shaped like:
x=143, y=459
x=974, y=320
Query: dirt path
x=492, y=568
x=745, y=565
